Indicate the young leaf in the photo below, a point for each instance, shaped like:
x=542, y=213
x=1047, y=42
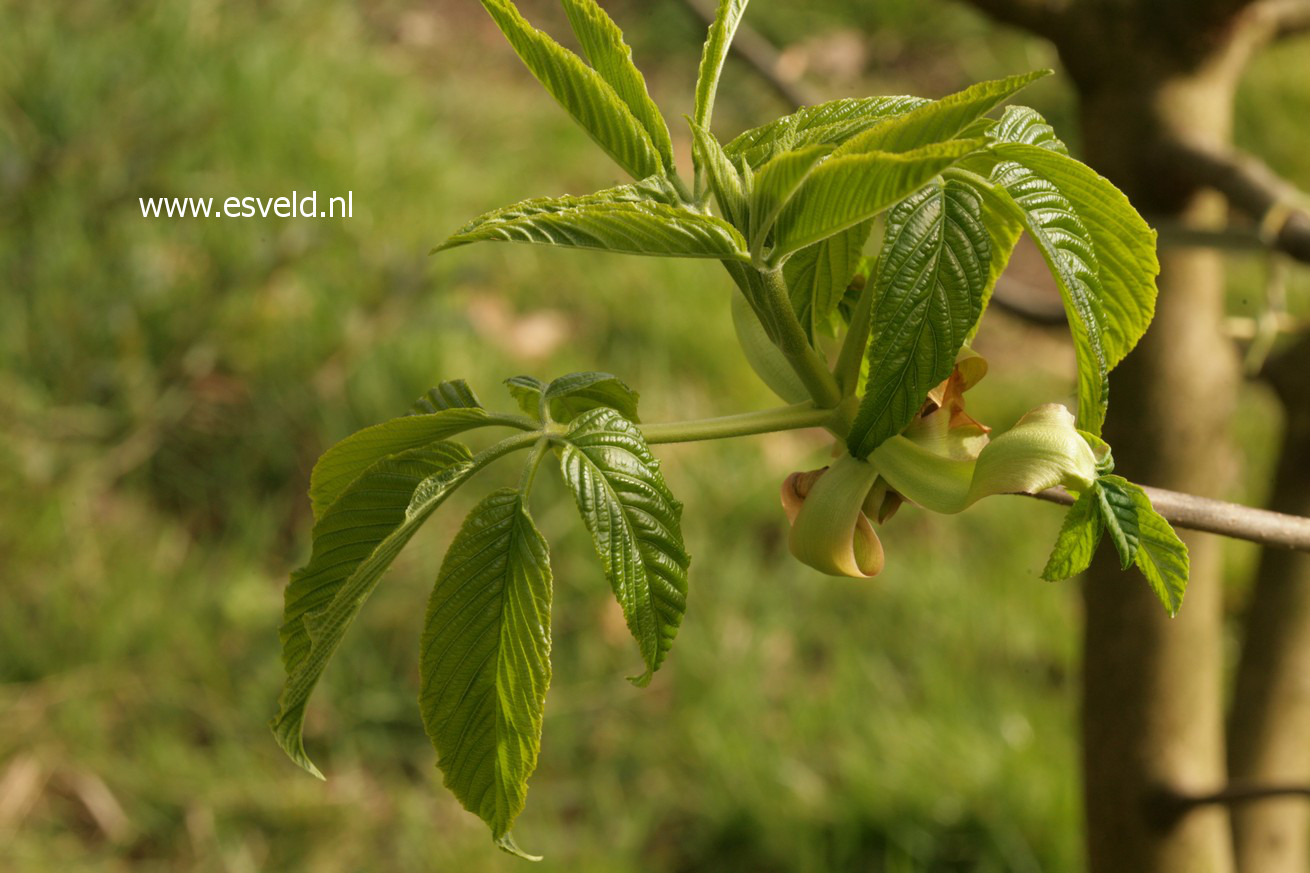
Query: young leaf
x=764, y=357
x=485, y=662
x=635, y=228
x=635, y=523
x=715, y=52
x=354, y=543
x=1161, y=555
x=1122, y=243
x=1079, y=536
x=1022, y=124
x=570, y=396
x=830, y=123
x=582, y=92
x=844, y=191
x=938, y=121
x=724, y=179
x=775, y=183
x=455, y=394
x=527, y=391
x=602, y=41
x=344, y=461
x=1065, y=244
x=928, y=291
x=1119, y=512
x=817, y=275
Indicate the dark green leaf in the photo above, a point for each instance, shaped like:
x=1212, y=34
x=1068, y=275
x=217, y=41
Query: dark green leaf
x=455, y=394
x=928, y=294
x=1161, y=555
x=582, y=92
x=844, y=191
x=602, y=41
x=635, y=523
x=485, y=662
x=714, y=54
x=1119, y=513
x=829, y=123
x=1079, y=536
x=817, y=276
x=1003, y=231
x=570, y=396
x=340, y=464
x=354, y=543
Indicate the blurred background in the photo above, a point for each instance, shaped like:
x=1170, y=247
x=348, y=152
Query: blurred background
x=166, y=384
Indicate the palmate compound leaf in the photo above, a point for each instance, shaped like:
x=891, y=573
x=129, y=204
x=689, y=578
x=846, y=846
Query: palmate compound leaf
x=616, y=220
x=775, y=183
x=354, y=543
x=582, y=92
x=573, y=394
x=928, y=291
x=343, y=462
x=1161, y=555
x=817, y=276
x=830, y=123
x=610, y=56
x=1119, y=515
x=485, y=660
x=635, y=523
x=717, y=41
x=1079, y=536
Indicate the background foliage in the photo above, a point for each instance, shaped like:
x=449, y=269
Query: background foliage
x=165, y=386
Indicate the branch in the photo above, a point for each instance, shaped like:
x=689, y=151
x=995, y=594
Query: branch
x=1252, y=187
x=760, y=55
x=1042, y=17
x=1288, y=18
x=1166, y=806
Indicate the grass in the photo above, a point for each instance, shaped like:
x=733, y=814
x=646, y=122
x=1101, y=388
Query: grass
x=166, y=385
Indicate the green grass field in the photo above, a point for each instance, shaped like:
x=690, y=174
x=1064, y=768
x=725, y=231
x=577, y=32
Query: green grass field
x=165, y=386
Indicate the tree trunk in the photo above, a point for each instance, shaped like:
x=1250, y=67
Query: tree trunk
x=1270, y=736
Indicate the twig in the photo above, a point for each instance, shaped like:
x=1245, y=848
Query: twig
x=760, y=55
x=1253, y=188
x=1219, y=517
x=1166, y=806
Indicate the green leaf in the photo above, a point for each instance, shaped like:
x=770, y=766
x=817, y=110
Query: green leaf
x=582, y=92
x=765, y=358
x=609, y=222
x=485, y=662
x=455, y=394
x=635, y=523
x=1079, y=536
x=1065, y=244
x=928, y=291
x=939, y=120
x=775, y=183
x=1003, y=232
x=725, y=181
x=1119, y=513
x=343, y=462
x=830, y=123
x=602, y=41
x=715, y=52
x=1122, y=243
x=570, y=396
x=844, y=191
x=1161, y=555
x=354, y=543
x=817, y=276
x=1022, y=124
x=527, y=391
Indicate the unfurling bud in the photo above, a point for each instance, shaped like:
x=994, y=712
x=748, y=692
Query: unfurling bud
x=829, y=529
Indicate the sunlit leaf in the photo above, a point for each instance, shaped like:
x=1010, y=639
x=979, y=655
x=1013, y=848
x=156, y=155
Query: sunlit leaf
x=715, y=52
x=1079, y=536
x=830, y=123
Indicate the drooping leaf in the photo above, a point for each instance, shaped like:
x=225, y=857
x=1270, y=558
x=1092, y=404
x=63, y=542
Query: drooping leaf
x=454, y=394
x=343, y=462
x=1079, y=536
x=571, y=395
x=1161, y=555
x=844, y=191
x=598, y=221
x=485, y=662
x=937, y=121
x=1022, y=124
x=1119, y=513
x=817, y=275
x=928, y=294
x=830, y=123
x=775, y=183
x=602, y=41
x=765, y=358
x=1122, y=243
x=527, y=391
x=715, y=52
x=724, y=180
x=1065, y=244
x=582, y=92
x=635, y=523
x=355, y=541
